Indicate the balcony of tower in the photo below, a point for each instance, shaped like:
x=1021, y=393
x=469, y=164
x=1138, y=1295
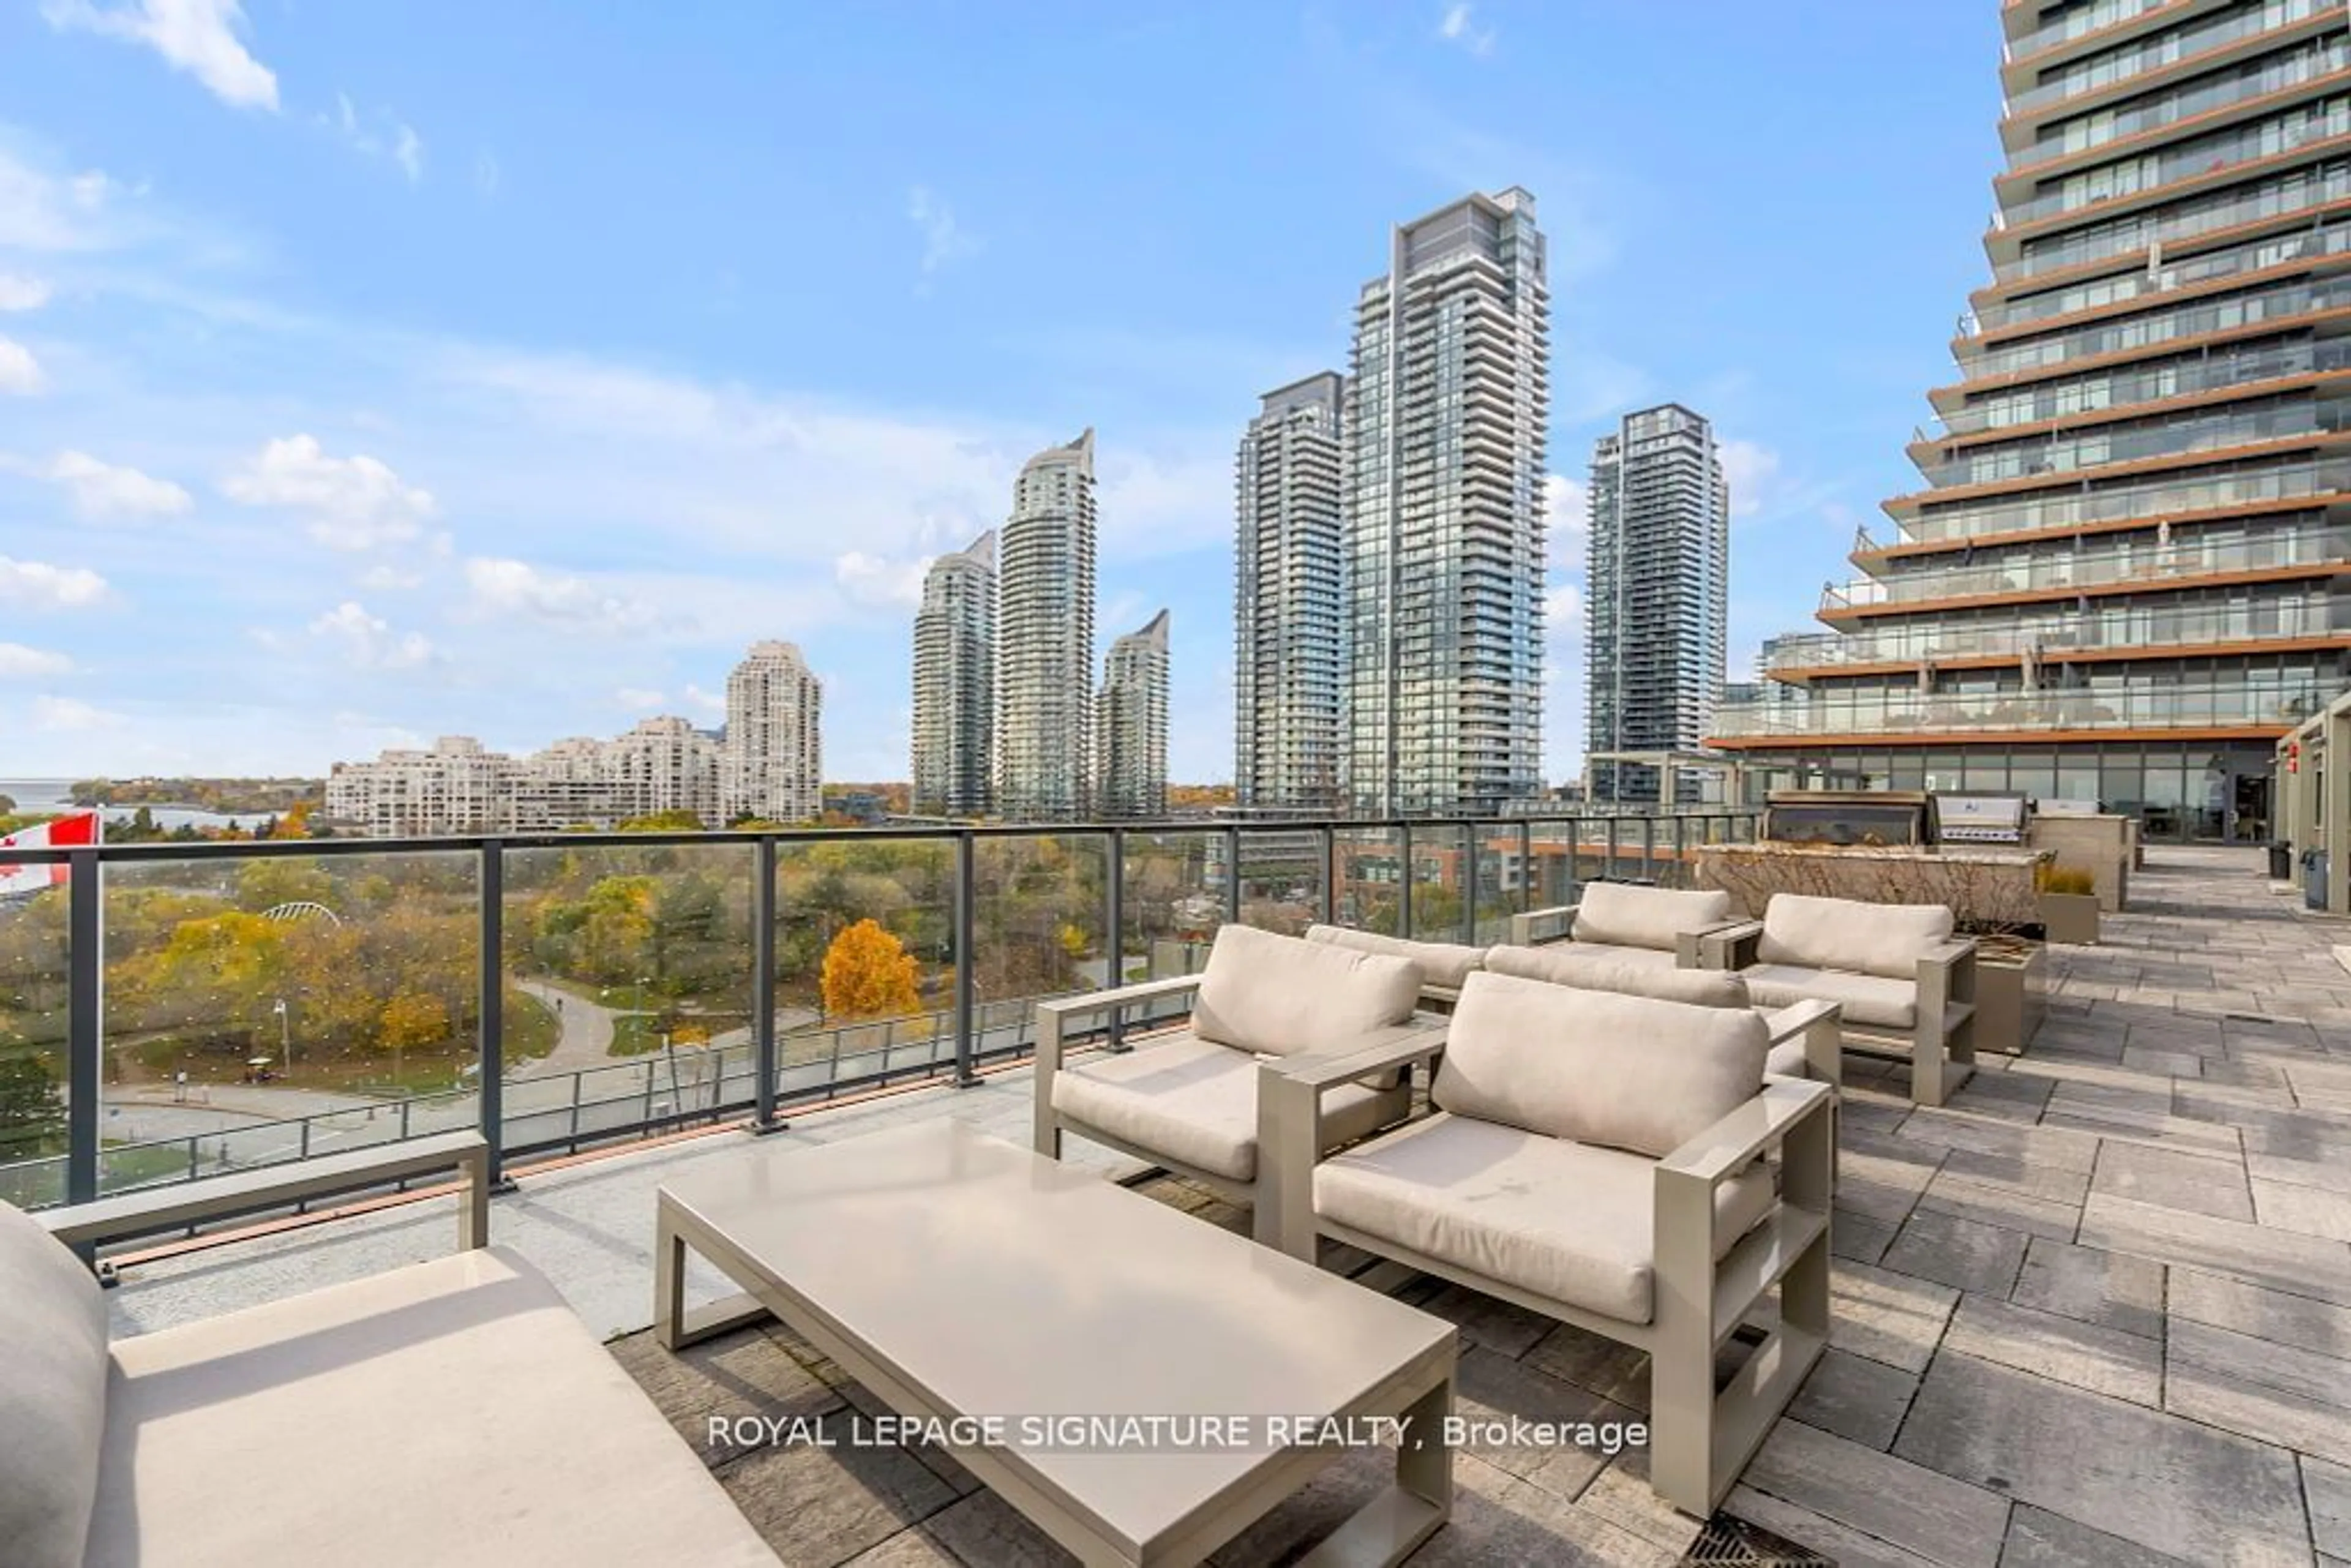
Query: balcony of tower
x=2202, y=273
x=2334, y=504
x=2033, y=104
x=2314, y=559
x=2308, y=204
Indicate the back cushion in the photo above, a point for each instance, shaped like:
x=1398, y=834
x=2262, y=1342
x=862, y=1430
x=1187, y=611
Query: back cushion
x=52, y=1397
x=1284, y=995
x=1446, y=964
x=1645, y=916
x=1598, y=970
x=1886, y=939
x=1629, y=1072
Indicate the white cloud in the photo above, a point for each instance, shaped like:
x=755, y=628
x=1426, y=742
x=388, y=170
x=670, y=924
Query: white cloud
x=368, y=641
x=18, y=663
x=518, y=587
x=71, y=713
x=20, y=373
x=351, y=503
x=198, y=36
x=384, y=578
x=393, y=138
x=109, y=490
x=1567, y=521
x=488, y=175
x=714, y=703
x=1752, y=471
x=19, y=292
x=1458, y=26
x=873, y=579
x=47, y=587
x=639, y=699
x=943, y=239
x=408, y=151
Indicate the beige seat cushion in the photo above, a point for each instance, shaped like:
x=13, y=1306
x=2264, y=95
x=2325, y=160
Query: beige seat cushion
x=1626, y=1072
x=1284, y=995
x=1195, y=1102
x=1564, y=1220
x=1444, y=964
x=1787, y=1060
x=452, y=1412
x=1645, y=916
x=1870, y=1000
x=1630, y=971
x=52, y=1395
x=1884, y=939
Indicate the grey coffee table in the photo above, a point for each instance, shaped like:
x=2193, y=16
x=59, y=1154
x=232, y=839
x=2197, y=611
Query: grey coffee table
x=957, y=1275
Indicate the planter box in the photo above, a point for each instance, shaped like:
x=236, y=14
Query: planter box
x=2070, y=917
x=2011, y=989
x=1984, y=888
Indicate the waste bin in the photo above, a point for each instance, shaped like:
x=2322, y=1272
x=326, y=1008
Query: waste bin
x=2313, y=878
x=2281, y=861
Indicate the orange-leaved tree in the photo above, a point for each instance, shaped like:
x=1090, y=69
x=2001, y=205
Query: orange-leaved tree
x=869, y=974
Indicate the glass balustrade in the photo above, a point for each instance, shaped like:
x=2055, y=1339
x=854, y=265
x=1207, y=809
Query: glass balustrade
x=1896, y=710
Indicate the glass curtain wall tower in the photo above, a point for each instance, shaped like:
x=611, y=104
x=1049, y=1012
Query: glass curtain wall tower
x=2119, y=580
x=1449, y=401
x=1131, y=720
x=1045, y=638
x=955, y=685
x=1288, y=648
x=1656, y=596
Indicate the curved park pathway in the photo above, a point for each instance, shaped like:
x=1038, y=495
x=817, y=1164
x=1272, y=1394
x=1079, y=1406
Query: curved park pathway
x=584, y=1039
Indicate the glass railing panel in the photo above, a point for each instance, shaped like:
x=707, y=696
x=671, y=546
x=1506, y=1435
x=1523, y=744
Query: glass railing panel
x=2095, y=706
x=35, y=953
x=1371, y=882
x=2199, y=157
x=1439, y=884
x=2295, y=192
x=1493, y=889
x=1040, y=928
x=1173, y=900
x=2147, y=55
x=1283, y=876
x=271, y=1008
x=1555, y=871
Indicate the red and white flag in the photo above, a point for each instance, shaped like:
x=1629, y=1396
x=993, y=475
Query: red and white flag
x=59, y=833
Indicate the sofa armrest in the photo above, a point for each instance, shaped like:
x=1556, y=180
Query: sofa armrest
x=1290, y=1092
x=1724, y=1149
x=1382, y=1051
x=1540, y=927
x=1054, y=1017
x=1729, y=947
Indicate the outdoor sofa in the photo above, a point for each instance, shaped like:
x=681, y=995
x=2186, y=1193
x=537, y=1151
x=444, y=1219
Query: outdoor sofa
x=1442, y=965
x=1658, y=927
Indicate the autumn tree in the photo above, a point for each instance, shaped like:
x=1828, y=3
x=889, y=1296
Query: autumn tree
x=414, y=1019
x=869, y=974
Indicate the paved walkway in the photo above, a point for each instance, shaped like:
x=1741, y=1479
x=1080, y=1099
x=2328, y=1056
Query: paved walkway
x=2096, y=1311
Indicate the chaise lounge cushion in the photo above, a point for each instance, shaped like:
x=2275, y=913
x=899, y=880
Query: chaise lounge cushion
x=52, y=1395
x=1870, y=1000
x=1195, y=1102
x=1885, y=939
x=1444, y=964
x=454, y=1412
x=1625, y=1072
x=1284, y=995
x=1626, y=970
x=1645, y=916
x=1564, y=1220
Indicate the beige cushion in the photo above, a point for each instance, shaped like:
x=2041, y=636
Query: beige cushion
x=1870, y=1000
x=1195, y=1102
x=52, y=1395
x=1627, y=971
x=1441, y=964
x=1561, y=1220
x=1886, y=939
x=1284, y=995
x=1645, y=916
x=1628, y=1072
x=1787, y=1060
x=454, y=1412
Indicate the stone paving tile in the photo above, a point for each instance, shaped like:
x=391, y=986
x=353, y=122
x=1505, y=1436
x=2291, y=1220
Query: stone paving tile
x=1919, y=1510
x=2201, y=1184
x=2021, y=1173
x=827, y=1505
x=2294, y=1397
x=2111, y=1290
x=738, y=1375
x=1888, y=1316
x=1488, y=1386
x=1496, y=1519
x=1590, y=1361
x=1965, y=1253
x=2277, y=1316
x=2313, y=1211
x=2039, y=1539
x=1857, y=1237
x=1855, y=1398
x=2102, y=1359
x=1841, y=1544
x=2327, y=1488
x=2301, y=1265
x=983, y=1530
x=2001, y=1208
x=2153, y=1479
x=2056, y=1147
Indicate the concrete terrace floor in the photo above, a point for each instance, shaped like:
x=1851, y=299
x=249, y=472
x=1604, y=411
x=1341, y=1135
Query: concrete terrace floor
x=2095, y=1311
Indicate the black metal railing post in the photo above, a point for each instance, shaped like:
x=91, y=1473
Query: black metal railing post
x=1470, y=885
x=1232, y=874
x=1526, y=899
x=1114, y=874
x=965, y=924
x=493, y=886
x=85, y=1022
x=763, y=990
x=1330, y=847
x=1403, y=880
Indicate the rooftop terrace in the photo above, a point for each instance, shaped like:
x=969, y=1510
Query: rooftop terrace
x=2097, y=1309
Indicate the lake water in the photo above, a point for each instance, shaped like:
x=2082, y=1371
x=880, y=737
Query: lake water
x=50, y=795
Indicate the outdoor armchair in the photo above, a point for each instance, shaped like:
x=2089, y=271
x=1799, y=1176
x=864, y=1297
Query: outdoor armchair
x=1658, y=927
x=1442, y=965
x=1187, y=1099
x=1598, y=1158
x=1906, y=988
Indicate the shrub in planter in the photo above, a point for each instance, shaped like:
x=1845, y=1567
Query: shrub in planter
x=2069, y=906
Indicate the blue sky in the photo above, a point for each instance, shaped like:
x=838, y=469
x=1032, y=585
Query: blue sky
x=382, y=369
